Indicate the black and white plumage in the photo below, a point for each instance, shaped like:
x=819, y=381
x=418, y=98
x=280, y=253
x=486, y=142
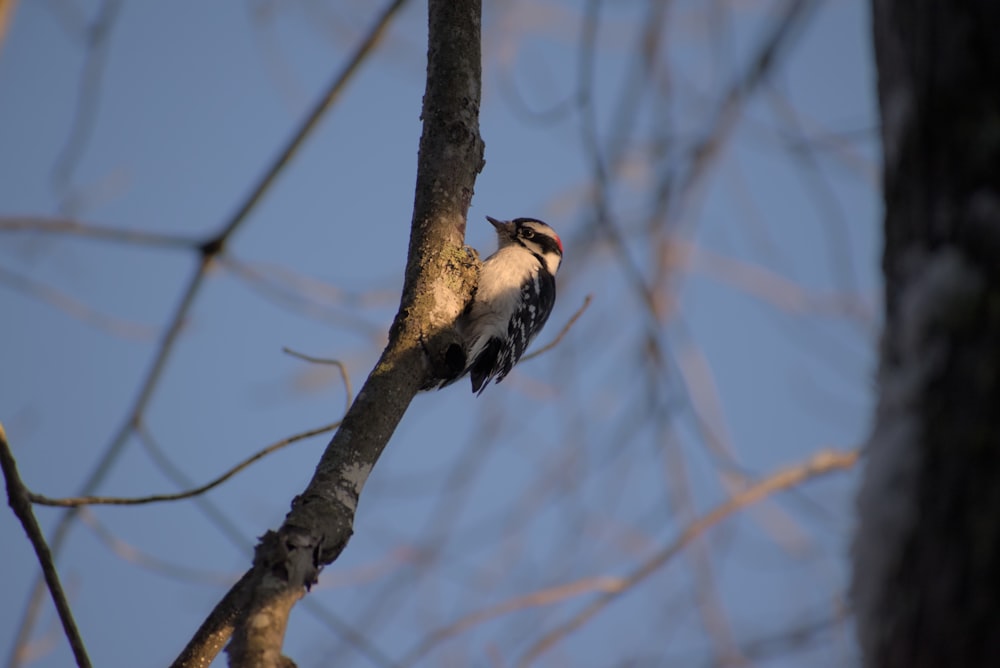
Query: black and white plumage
x=514, y=297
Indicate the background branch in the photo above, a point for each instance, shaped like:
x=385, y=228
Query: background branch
x=20, y=503
x=819, y=464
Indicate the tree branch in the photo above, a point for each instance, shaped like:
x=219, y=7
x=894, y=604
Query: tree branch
x=439, y=279
x=75, y=501
x=73, y=227
x=17, y=498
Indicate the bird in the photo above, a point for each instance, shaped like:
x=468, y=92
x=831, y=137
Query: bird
x=511, y=303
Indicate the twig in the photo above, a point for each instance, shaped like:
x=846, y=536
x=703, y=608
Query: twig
x=790, y=21
x=821, y=463
x=76, y=309
x=770, y=286
x=69, y=226
x=72, y=502
x=547, y=596
x=344, y=376
x=98, y=38
x=18, y=498
x=300, y=294
x=331, y=94
x=590, y=137
x=134, y=555
x=562, y=333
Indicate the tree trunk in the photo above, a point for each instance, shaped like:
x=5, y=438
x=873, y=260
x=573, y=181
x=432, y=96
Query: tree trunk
x=927, y=551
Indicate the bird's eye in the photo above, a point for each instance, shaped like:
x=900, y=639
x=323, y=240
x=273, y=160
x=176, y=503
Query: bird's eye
x=528, y=233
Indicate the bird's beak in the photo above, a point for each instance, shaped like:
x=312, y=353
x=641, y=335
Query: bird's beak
x=502, y=226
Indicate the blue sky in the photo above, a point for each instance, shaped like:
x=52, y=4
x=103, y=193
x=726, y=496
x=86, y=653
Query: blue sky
x=569, y=470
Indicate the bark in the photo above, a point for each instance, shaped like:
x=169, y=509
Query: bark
x=440, y=276
x=927, y=550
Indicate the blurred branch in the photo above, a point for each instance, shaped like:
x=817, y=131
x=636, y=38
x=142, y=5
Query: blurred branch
x=209, y=250
x=680, y=497
x=20, y=503
x=790, y=20
x=555, y=113
x=71, y=227
x=135, y=556
x=828, y=204
x=599, y=167
x=821, y=463
x=73, y=502
x=453, y=493
x=223, y=523
x=798, y=636
x=648, y=291
x=75, y=309
x=7, y=8
x=671, y=205
x=548, y=596
x=770, y=286
x=313, y=298
x=641, y=79
x=98, y=38
x=562, y=333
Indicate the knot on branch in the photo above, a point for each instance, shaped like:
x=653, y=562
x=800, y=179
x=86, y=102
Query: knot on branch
x=290, y=555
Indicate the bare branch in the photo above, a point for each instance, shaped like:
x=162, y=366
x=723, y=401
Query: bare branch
x=770, y=286
x=98, y=38
x=822, y=463
x=312, y=298
x=76, y=501
x=337, y=363
x=791, y=19
x=562, y=333
x=134, y=555
x=75, y=309
x=17, y=497
x=547, y=596
x=71, y=227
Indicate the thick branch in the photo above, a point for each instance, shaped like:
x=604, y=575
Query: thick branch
x=439, y=279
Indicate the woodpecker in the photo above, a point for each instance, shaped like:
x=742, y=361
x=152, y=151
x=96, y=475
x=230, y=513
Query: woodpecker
x=514, y=297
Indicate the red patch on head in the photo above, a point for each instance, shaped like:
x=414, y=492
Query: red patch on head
x=558, y=241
